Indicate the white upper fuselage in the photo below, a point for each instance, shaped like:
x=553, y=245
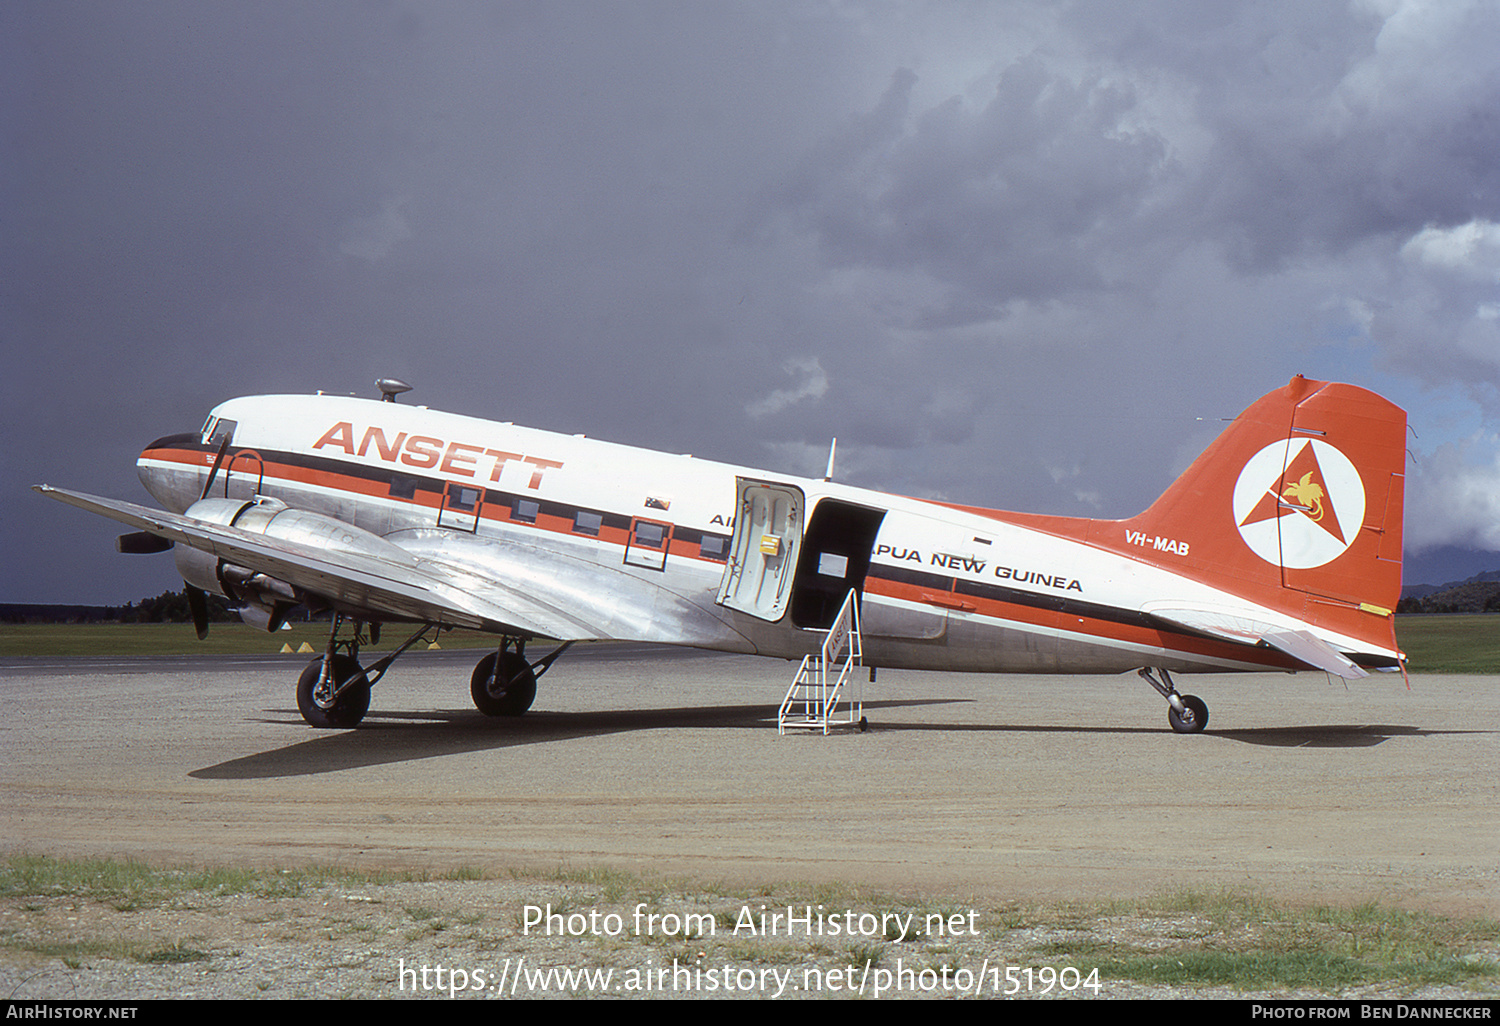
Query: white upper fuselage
x=643, y=544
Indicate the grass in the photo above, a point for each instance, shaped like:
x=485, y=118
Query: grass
x=74, y=954
x=154, y=639
x=1436, y=643
x=1457, y=643
x=129, y=884
x=1189, y=940
x=1249, y=943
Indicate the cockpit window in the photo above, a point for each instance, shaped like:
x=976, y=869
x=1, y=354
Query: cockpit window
x=208, y=429
x=223, y=430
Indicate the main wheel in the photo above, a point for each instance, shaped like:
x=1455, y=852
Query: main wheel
x=351, y=705
x=1192, y=719
x=509, y=693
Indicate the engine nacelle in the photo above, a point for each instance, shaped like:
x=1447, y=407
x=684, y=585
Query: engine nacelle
x=201, y=569
x=273, y=519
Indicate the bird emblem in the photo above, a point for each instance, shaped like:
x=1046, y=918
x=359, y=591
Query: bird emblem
x=1307, y=494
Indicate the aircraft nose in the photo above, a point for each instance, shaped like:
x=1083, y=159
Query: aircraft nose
x=168, y=470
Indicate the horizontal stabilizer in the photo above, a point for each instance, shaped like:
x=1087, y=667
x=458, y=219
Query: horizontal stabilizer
x=1316, y=652
x=1301, y=645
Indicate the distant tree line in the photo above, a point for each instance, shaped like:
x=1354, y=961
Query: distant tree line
x=172, y=607
x=168, y=607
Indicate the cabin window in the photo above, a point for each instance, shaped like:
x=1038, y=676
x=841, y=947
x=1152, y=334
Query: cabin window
x=650, y=535
x=831, y=564
x=403, y=486
x=714, y=546
x=463, y=499
x=585, y=522
x=525, y=510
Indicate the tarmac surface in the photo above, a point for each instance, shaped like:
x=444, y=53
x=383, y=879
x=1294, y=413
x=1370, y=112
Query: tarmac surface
x=663, y=761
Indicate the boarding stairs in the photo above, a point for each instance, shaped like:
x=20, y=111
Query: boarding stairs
x=812, y=702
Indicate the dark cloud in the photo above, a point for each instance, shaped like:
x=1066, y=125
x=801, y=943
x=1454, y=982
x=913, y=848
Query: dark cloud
x=1017, y=199
x=1007, y=253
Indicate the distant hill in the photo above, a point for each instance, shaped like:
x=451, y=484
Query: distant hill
x=1478, y=594
x=1431, y=566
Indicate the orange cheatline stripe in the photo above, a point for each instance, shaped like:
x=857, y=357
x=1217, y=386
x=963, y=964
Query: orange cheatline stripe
x=427, y=498
x=1024, y=615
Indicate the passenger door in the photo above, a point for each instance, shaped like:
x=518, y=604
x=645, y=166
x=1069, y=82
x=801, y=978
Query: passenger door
x=763, y=550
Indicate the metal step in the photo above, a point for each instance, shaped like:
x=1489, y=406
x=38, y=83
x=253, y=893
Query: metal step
x=812, y=701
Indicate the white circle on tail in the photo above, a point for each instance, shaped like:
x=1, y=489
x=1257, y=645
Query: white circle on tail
x=1299, y=503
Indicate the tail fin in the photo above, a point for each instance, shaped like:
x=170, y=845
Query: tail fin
x=1296, y=506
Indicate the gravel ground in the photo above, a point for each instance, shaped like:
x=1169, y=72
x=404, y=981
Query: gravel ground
x=1011, y=793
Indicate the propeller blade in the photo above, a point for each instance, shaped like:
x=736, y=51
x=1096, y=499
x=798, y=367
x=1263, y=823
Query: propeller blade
x=218, y=462
x=198, y=606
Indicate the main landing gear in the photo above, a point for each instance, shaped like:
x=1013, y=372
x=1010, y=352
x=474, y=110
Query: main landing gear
x=334, y=690
x=339, y=698
x=1188, y=714
x=504, y=682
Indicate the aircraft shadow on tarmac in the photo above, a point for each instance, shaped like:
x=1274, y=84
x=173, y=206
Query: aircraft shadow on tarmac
x=1363, y=735
x=395, y=737
x=380, y=740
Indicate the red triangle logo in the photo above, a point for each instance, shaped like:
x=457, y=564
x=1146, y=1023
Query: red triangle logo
x=1300, y=490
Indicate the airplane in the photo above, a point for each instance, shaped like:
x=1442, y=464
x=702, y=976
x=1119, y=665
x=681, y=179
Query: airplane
x=1279, y=549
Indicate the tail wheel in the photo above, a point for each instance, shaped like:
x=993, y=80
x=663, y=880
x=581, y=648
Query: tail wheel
x=349, y=708
x=508, y=693
x=1192, y=719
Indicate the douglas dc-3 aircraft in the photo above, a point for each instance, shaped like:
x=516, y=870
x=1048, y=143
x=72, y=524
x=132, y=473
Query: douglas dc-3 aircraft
x=1278, y=549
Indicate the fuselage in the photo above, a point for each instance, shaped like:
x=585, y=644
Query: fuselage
x=709, y=554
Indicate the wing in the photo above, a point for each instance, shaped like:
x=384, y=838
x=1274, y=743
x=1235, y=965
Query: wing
x=394, y=583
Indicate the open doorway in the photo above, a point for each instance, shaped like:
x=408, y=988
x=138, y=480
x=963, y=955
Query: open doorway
x=834, y=560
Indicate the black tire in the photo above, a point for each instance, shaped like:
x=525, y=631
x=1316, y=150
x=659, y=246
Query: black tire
x=510, y=695
x=1193, y=720
x=352, y=704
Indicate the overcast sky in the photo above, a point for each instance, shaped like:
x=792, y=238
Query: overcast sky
x=1014, y=254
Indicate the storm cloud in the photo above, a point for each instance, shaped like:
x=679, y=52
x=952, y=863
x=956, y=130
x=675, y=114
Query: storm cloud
x=1016, y=254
